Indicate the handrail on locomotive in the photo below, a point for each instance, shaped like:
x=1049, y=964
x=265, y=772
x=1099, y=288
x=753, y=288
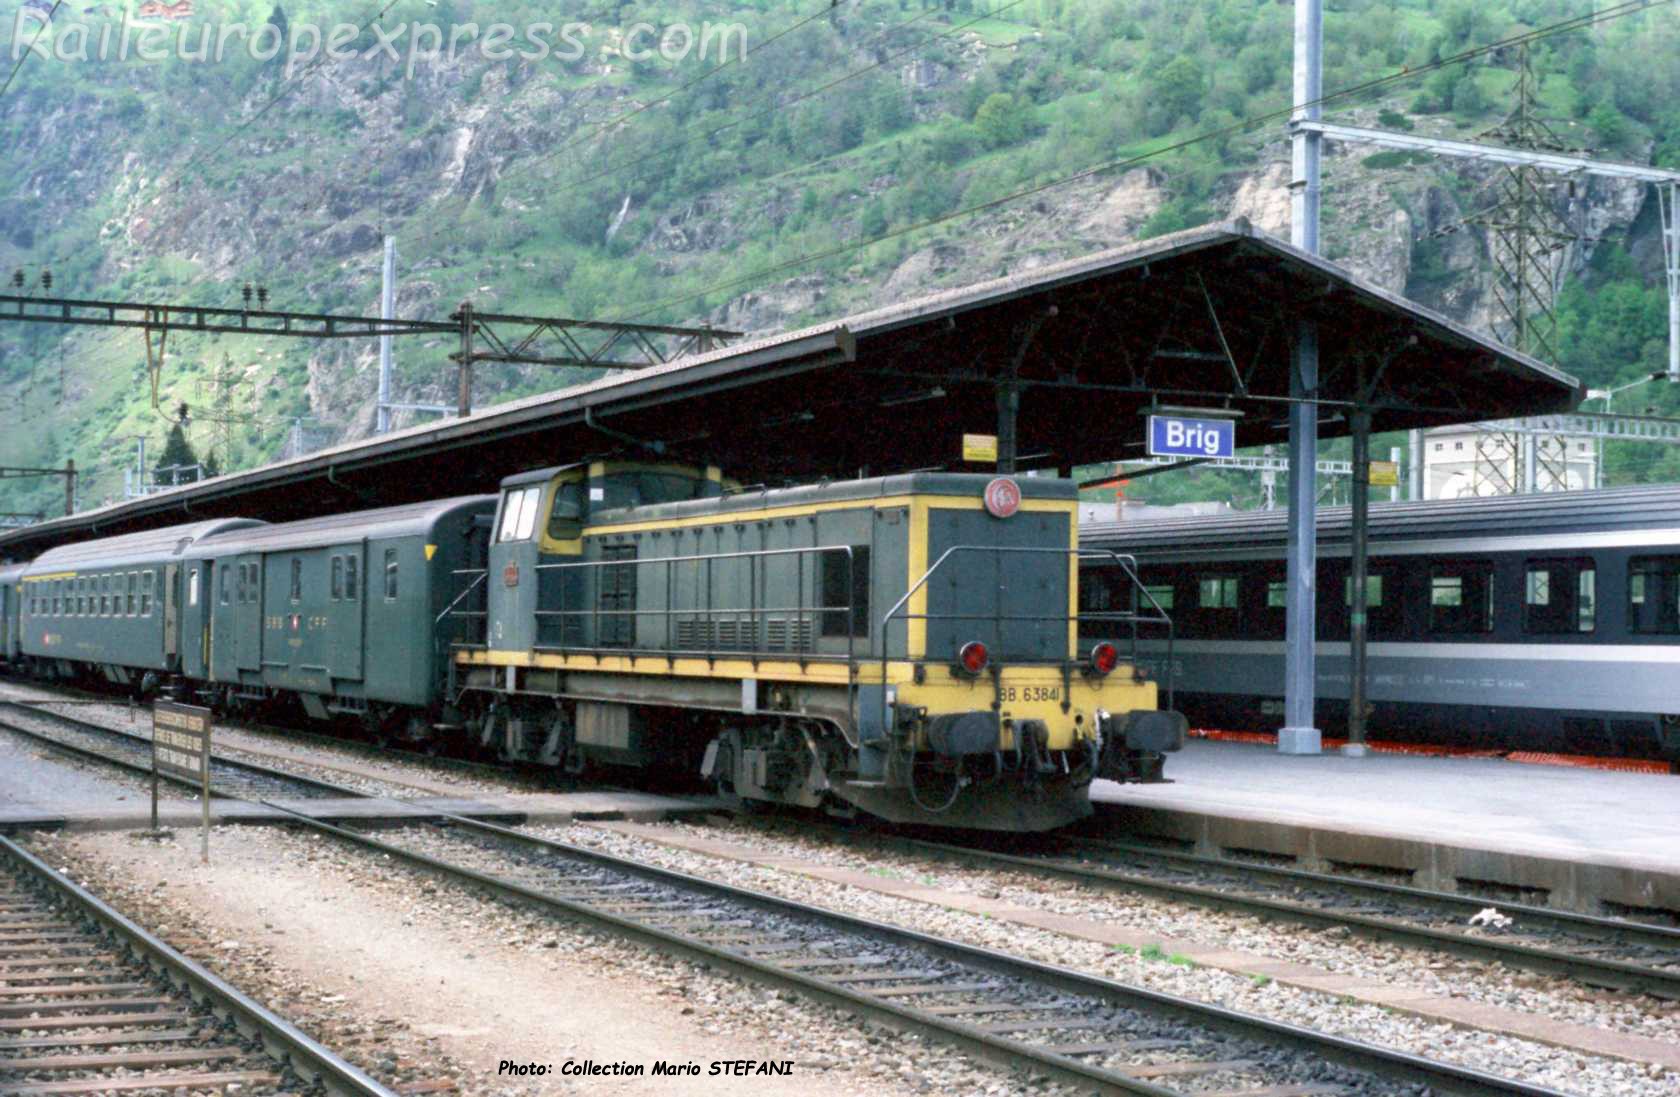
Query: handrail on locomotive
x=1128, y=564
x=801, y=614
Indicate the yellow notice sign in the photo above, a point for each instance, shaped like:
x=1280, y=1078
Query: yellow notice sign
x=979, y=447
x=1385, y=474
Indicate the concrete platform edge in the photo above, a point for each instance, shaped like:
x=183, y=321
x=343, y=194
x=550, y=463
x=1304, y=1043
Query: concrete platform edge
x=1568, y=883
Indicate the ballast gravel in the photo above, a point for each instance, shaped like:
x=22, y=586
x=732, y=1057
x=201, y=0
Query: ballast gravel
x=1336, y=950
x=1499, y=1054
x=386, y=1026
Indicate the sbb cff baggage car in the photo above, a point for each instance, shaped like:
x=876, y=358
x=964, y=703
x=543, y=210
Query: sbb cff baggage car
x=906, y=646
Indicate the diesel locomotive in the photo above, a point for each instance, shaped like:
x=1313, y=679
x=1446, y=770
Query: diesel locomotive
x=1536, y=622
x=909, y=647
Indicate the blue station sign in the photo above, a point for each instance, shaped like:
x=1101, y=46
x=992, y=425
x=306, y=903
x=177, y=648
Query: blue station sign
x=1175, y=436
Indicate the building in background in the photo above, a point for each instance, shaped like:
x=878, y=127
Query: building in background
x=1480, y=460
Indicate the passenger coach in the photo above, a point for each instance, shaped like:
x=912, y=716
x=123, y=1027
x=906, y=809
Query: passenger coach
x=1534, y=622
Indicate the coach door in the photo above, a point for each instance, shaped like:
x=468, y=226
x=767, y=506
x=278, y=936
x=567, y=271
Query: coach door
x=171, y=613
x=223, y=665
x=247, y=613
x=346, y=595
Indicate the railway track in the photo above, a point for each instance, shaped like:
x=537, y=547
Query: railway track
x=229, y=778
x=90, y=1003
x=1079, y=1029
x=1084, y=1030
x=1601, y=952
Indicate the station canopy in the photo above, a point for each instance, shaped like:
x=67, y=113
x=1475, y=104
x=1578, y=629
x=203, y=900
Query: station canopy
x=1205, y=318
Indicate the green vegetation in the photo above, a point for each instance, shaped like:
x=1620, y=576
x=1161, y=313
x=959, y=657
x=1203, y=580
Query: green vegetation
x=952, y=104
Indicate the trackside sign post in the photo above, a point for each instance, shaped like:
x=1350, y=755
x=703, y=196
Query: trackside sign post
x=181, y=749
x=1176, y=436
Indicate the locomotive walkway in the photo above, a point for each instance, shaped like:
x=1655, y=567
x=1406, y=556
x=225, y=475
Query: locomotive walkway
x=1578, y=839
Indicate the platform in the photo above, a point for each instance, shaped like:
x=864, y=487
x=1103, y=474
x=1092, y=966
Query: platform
x=1578, y=839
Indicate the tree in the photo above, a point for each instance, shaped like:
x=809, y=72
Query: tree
x=173, y=465
x=873, y=223
x=1609, y=124
x=1468, y=97
x=1179, y=86
x=1000, y=121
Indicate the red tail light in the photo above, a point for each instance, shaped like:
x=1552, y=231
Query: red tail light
x=1104, y=657
x=973, y=657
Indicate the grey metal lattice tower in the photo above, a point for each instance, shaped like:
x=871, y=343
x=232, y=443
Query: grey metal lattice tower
x=223, y=385
x=1526, y=235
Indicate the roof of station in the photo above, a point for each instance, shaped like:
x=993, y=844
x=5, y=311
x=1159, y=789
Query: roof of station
x=1202, y=318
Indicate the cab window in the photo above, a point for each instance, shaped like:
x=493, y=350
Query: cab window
x=519, y=514
x=565, y=517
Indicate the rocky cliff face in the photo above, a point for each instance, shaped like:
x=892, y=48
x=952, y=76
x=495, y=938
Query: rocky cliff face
x=306, y=199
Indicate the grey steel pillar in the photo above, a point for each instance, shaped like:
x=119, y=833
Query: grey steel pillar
x=1008, y=414
x=387, y=310
x=463, y=377
x=1299, y=734
x=1394, y=459
x=1414, y=468
x=1670, y=210
x=1360, y=422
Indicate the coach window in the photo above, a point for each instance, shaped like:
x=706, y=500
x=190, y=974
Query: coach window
x=192, y=587
x=296, y=591
x=1218, y=592
x=1654, y=594
x=223, y=590
x=390, y=575
x=352, y=578
x=148, y=583
x=1382, y=612
x=134, y=592
x=104, y=596
x=1461, y=598
x=337, y=588
x=1559, y=596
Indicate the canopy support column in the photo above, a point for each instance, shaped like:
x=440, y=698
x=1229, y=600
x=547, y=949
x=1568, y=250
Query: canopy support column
x=1360, y=422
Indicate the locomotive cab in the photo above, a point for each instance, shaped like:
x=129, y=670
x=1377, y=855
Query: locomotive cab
x=540, y=522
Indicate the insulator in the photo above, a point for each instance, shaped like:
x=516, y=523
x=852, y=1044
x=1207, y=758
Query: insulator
x=246, y=293
x=262, y=296
x=46, y=279
x=17, y=278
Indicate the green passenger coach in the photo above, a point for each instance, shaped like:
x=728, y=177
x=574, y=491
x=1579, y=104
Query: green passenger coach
x=341, y=611
x=110, y=604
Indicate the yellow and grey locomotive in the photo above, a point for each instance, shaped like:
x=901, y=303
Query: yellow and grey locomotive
x=907, y=646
